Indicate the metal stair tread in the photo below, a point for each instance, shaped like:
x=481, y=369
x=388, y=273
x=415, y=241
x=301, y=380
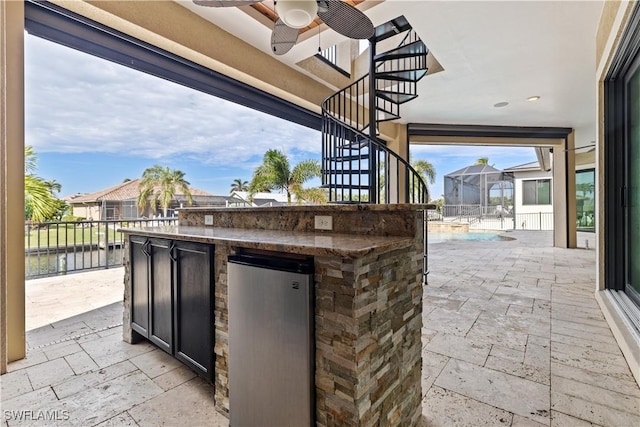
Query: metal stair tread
x=402, y=75
x=391, y=28
x=348, y=158
x=412, y=49
x=396, y=97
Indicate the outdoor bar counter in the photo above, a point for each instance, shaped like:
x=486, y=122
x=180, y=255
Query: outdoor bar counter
x=368, y=273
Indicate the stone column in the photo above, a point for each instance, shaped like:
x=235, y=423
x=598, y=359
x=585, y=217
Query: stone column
x=12, y=297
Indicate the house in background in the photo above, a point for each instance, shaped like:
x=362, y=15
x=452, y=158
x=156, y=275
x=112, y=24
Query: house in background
x=121, y=202
x=262, y=199
x=533, y=194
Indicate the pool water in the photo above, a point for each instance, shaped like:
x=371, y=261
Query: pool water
x=445, y=237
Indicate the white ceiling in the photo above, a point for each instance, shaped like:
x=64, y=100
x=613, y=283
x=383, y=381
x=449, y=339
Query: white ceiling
x=491, y=51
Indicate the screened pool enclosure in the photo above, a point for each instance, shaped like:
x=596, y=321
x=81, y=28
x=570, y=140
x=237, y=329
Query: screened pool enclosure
x=480, y=190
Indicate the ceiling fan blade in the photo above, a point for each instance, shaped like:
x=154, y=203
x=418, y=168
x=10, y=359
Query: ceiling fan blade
x=345, y=19
x=283, y=38
x=225, y=3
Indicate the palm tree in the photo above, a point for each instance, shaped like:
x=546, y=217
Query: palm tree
x=40, y=203
x=239, y=185
x=54, y=186
x=482, y=161
x=159, y=186
x=427, y=172
x=275, y=173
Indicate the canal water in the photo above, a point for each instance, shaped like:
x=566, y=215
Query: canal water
x=42, y=264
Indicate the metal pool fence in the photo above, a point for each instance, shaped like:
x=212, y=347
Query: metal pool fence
x=53, y=248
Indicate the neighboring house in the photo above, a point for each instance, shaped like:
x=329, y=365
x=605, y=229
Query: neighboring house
x=120, y=202
x=533, y=188
x=263, y=199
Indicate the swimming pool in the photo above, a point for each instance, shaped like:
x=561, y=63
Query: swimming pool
x=472, y=236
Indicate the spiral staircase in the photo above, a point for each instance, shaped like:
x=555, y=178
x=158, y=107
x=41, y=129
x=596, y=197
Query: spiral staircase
x=357, y=166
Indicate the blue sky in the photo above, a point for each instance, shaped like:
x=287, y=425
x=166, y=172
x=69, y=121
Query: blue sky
x=94, y=123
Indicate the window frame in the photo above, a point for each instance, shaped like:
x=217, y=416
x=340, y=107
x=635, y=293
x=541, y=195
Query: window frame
x=538, y=182
x=614, y=153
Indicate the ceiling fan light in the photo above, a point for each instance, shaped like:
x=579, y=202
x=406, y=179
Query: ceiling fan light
x=297, y=13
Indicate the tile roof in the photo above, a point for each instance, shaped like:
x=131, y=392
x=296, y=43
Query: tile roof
x=123, y=191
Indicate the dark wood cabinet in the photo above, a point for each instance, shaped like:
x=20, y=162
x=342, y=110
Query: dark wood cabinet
x=193, y=305
x=161, y=294
x=172, y=298
x=139, y=262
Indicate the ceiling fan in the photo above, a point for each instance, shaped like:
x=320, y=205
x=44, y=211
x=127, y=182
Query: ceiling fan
x=296, y=14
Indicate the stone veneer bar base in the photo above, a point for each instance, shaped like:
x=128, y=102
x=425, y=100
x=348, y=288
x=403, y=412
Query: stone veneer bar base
x=368, y=315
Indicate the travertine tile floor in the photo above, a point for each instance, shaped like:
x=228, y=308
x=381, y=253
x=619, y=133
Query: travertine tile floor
x=512, y=336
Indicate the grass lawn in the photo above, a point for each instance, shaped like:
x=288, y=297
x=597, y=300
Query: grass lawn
x=70, y=235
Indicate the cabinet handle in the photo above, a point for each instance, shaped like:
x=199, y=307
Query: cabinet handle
x=145, y=248
x=172, y=252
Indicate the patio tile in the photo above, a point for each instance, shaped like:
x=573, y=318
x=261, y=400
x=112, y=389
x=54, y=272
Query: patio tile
x=81, y=362
x=522, y=370
x=34, y=357
x=594, y=330
x=589, y=320
x=14, y=384
x=446, y=408
x=612, y=399
x=519, y=421
x=537, y=355
x=155, y=363
x=459, y=348
x=192, y=400
x=626, y=386
x=111, y=349
x=446, y=303
x=94, y=405
x=49, y=335
x=617, y=371
x=523, y=397
x=432, y=365
x=507, y=353
x=474, y=305
x=91, y=379
x=533, y=292
x=450, y=322
x=512, y=299
x=558, y=419
x=588, y=354
x=62, y=349
x=587, y=343
x=496, y=334
x=174, y=378
x=560, y=330
x=592, y=412
x=121, y=420
x=13, y=410
x=49, y=373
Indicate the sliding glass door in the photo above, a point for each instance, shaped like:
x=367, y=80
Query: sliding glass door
x=632, y=91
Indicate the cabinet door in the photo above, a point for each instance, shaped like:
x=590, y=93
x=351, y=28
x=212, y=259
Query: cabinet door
x=193, y=308
x=161, y=325
x=139, y=264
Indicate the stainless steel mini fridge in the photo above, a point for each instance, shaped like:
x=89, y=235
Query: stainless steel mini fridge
x=271, y=355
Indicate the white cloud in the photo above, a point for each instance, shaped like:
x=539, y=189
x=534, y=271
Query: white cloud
x=77, y=103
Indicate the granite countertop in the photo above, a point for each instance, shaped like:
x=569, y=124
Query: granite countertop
x=304, y=243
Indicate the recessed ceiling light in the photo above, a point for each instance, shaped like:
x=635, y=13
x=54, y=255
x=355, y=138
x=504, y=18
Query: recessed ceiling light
x=533, y=98
x=501, y=104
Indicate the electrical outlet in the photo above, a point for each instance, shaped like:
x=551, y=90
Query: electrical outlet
x=208, y=220
x=323, y=222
